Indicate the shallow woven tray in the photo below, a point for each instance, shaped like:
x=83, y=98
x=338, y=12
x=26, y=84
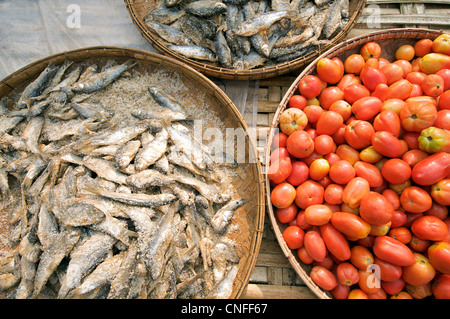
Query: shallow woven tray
x=139, y=8
x=389, y=41
x=248, y=181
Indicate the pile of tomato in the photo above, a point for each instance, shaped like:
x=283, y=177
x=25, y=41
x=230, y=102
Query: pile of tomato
x=360, y=172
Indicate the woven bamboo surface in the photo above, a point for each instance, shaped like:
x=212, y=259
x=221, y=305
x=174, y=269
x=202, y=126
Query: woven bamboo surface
x=248, y=181
x=139, y=8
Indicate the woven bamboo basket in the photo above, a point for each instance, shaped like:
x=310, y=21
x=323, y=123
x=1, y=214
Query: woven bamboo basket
x=389, y=41
x=139, y=8
x=247, y=181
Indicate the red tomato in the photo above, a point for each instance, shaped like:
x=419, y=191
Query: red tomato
x=396, y=171
x=279, y=140
x=370, y=50
x=439, y=256
x=313, y=112
x=419, y=273
x=387, y=144
x=412, y=157
x=317, y=214
x=388, y=271
x=299, y=173
x=323, y=278
x=423, y=47
x=445, y=75
x=418, y=244
x=375, y=209
x=333, y=194
x=300, y=221
x=297, y=101
x=342, y=107
x=440, y=211
x=329, y=123
x=330, y=70
x=387, y=121
x=367, y=107
x=330, y=95
x=309, y=193
x=350, y=224
x=394, y=105
x=402, y=234
x=315, y=246
x=361, y=257
x=342, y=172
x=398, y=218
x=393, y=251
x=431, y=169
x=293, y=236
x=319, y=169
x=416, y=116
x=354, y=92
x=303, y=256
x=347, y=274
x=429, y=228
x=335, y=242
x=393, y=287
x=280, y=170
x=324, y=144
x=433, y=85
x=392, y=72
x=381, y=91
x=369, y=172
x=283, y=195
x=400, y=90
x=441, y=287
x=443, y=120
x=300, y=144
x=415, y=200
x=371, y=77
x=358, y=134
x=392, y=197
x=292, y=119
x=444, y=100
x=357, y=294
x=416, y=77
x=354, y=63
x=287, y=214
x=340, y=292
x=440, y=192
x=346, y=80
x=310, y=86
x=347, y=153
x=354, y=191
x=278, y=153
x=405, y=65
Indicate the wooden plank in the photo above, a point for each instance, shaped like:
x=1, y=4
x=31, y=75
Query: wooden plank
x=445, y=2
x=422, y=19
x=261, y=291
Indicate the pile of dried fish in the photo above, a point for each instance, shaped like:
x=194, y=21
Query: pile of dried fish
x=104, y=209
x=243, y=34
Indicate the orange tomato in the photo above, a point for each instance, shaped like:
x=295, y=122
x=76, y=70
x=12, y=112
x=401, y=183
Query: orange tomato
x=392, y=72
x=348, y=79
x=319, y=169
x=309, y=193
x=405, y=52
x=368, y=281
x=329, y=123
x=394, y=105
x=393, y=251
x=370, y=155
x=358, y=134
x=429, y=228
x=324, y=144
x=371, y=77
x=369, y=172
x=297, y=101
x=402, y=234
x=366, y=108
x=419, y=273
x=283, y=195
x=387, y=144
x=433, y=85
x=315, y=246
x=439, y=256
x=347, y=274
x=317, y=214
x=396, y=171
x=350, y=224
x=442, y=44
x=323, y=278
x=375, y=209
x=400, y=89
x=291, y=120
x=300, y=144
x=361, y=257
x=440, y=192
x=287, y=214
x=354, y=92
x=347, y=153
x=313, y=112
x=354, y=63
x=423, y=46
x=342, y=172
x=370, y=50
x=354, y=191
x=415, y=200
x=330, y=95
x=293, y=236
x=330, y=70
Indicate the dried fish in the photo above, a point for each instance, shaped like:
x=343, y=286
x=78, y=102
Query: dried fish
x=206, y=8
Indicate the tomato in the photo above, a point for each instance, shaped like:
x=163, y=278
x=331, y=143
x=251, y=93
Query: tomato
x=368, y=281
x=419, y=273
x=394, y=105
x=405, y=65
x=297, y=101
x=348, y=79
x=330, y=70
x=371, y=77
x=300, y=144
x=319, y=169
x=354, y=92
x=419, y=292
x=441, y=287
x=439, y=256
x=347, y=274
x=340, y=292
x=375, y=209
x=442, y=44
x=309, y=193
x=434, y=62
x=324, y=144
x=405, y=52
x=431, y=169
x=303, y=256
x=398, y=218
x=367, y=107
x=412, y=157
x=313, y=112
x=429, y=228
x=301, y=222
x=361, y=257
x=416, y=77
x=380, y=230
x=434, y=140
x=342, y=172
x=370, y=50
x=335, y=242
x=350, y=225
x=440, y=192
x=370, y=155
x=279, y=140
x=423, y=46
x=332, y=158
x=330, y=95
x=323, y=278
x=387, y=121
x=402, y=295
x=358, y=134
x=388, y=271
x=347, y=153
x=382, y=92
x=333, y=194
x=283, y=195
x=315, y=246
x=400, y=89
x=354, y=191
x=328, y=262
x=317, y=214
x=354, y=63
x=445, y=75
x=392, y=197
x=393, y=251
x=329, y=123
x=443, y=120
x=310, y=86
x=418, y=244
x=393, y=287
x=396, y=171
x=387, y=144
x=440, y=211
x=280, y=170
x=433, y=85
x=369, y=172
x=444, y=101
x=402, y=234
x=356, y=293
x=291, y=120
x=287, y=214
x=415, y=200
x=392, y=72
x=299, y=173
x=293, y=236
x=311, y=158
x=278, y=153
